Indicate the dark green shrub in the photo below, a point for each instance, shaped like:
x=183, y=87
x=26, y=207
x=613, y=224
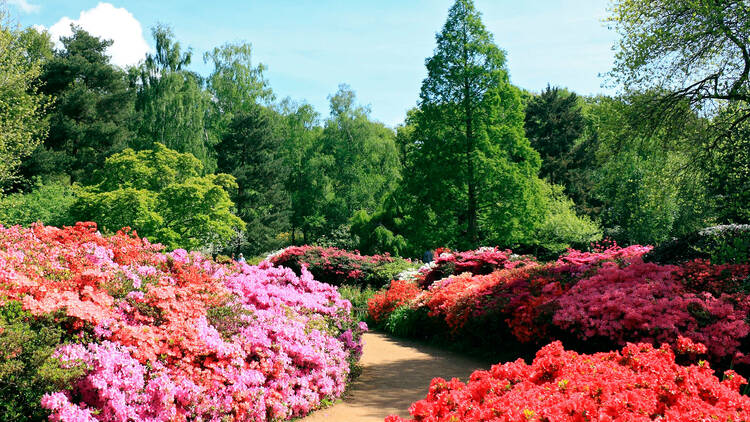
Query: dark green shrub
x=27, y=368
x=719, y=244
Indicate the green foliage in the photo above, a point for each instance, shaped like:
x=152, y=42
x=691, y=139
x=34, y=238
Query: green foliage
x=727, y=167
x=47, y=203
x=171, y=104
x=91, y=113
x=404, y=322
x=719, y=244
x=562, y=228
x=694, y=49
x=235, y=84
x=27, y=368
x=645, y=196
x=358, y=296
x=306, y=183
x=470, y=169
x=159, y=193
x=251, y=152
x=22, y=105
x=374, y=235
x=553, y=124
x=359, y=158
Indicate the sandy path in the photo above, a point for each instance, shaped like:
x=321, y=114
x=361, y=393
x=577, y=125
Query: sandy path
x=395, y=374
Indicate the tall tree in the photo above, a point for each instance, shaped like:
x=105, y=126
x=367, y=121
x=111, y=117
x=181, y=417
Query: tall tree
x=251, y=152
x=171, y=103
x=306, y=183
x=235, y=84
x=92, y=110
x=362, y=159
x=473, y=168
x=553, y=123
x=22, y=105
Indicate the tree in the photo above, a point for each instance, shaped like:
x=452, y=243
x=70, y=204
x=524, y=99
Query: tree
x=251, y=152
x=171, y=104
x=22, y=105
x=235, y=84
x=160, y=193
x=306, y=183
x=694, y=51
x=91, y=113
x=360, y=159
x=473, y=170
x=727, y=166
x=553, y=123
x=638, y=178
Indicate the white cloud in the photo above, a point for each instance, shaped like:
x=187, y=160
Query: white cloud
x=25, y=6
x=109, y=22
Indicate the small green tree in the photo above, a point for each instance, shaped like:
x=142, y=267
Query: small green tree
x=160, y=194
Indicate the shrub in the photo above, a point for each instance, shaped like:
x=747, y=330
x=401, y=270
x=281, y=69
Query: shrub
x=358, y=296
x=598, y=299
x=27, y=368
x=480, y=261
x=639, y=383
x=170, y=336
x=719, y=244
x=338, y=267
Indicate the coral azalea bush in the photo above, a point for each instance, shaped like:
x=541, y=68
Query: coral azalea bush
x=172, y=336
x=639, y=383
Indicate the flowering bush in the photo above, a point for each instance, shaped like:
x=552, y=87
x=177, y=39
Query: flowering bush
x=176, y=336
x=646, y=302
x=339, y=267
x=480, y=261
x=604, y=298
x=639, y=383
x=399, y=293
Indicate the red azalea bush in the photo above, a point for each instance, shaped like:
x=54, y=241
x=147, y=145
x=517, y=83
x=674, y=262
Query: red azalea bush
x=339, y=267
x=399, y=293
x=639, y=383
x=174, y=336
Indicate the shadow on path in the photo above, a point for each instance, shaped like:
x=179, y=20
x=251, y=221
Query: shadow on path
x=395, y=374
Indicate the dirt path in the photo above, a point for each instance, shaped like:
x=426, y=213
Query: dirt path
x=395, y=374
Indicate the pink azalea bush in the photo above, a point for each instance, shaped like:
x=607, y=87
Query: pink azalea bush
x=175, y=336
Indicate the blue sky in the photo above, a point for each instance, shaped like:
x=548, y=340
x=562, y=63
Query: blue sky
x=377, y=47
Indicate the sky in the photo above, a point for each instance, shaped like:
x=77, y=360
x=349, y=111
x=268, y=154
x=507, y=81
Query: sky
x=378, y=47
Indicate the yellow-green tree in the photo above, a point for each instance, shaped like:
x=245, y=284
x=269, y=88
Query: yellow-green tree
x=160, y=193
x=22, y=123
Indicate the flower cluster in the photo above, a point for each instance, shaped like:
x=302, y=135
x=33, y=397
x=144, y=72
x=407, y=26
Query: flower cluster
x=383, y=303
x=639, y=383
x=175, y=336
x=480, y=261
x=610, y=296
x=339, y=267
